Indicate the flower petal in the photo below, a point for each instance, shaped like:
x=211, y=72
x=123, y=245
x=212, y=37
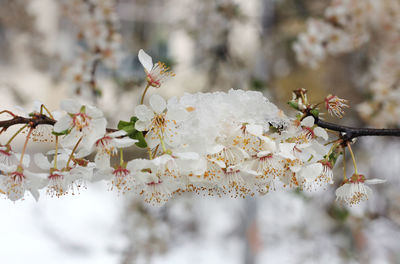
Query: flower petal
x=157, y=103
x=143, y=113
x=124, y=142
x=142, y=125
x=375, y=181
x=308, y=121
x=65, y=122
x=145, y=60
x=255, y=130
x=42, y=161
x=320, y=132
x=71, y=106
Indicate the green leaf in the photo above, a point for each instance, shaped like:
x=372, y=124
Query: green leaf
x=294, y=105
x=64, y=132
x=129, y=128
x=142, y=142
x=315, y=112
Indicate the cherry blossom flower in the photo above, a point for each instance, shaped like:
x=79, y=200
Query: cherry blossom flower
x=81, y=121
x=107, y=147
x=355, y=190
x=16, y=181
x=160, y=121
x=156, y=73
x=335, y=105
x=312, y=131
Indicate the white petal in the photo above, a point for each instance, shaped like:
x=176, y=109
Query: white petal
x=255, y=130
x=145, y=60
x=286, y=150
x=124, y=142
x=118, y=133
x=42, y=161
x=25, y=161
x=93, y=112
x=215, y=148
x=187, y=155
x=143, y=113
x=177, y=114
x=71, y=106
x=320, y=132
x=308, y=121
x=103, y=174
x=102, y=160
x=162, y=159
x=65, y=122
x=268, y=144
x=375, y=181
x=263, y=154
x=157, y=103
x=310, y=172
x=142, y=125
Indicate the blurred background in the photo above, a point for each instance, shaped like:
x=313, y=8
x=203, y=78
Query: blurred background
x=87, y=49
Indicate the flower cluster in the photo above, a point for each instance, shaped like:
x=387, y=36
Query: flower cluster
x=98, y=26
x=348, y=25
x=236, y=143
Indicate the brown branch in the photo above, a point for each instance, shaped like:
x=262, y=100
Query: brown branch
x=34, y=121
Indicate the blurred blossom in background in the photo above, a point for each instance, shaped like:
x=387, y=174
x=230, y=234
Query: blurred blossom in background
x=50, y=50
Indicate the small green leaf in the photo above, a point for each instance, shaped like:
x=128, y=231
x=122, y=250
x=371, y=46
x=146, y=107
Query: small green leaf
x=129, y=128
x=315, y=112
x=142, y=142
x=134, y=119
x=64, y=132
x=294, y=105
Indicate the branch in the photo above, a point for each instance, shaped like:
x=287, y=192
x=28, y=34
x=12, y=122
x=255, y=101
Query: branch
x=34, y=121
x=348, y=133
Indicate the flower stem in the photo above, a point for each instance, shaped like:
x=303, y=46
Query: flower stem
x=162, y=144
x=121, y=157
x=47, y=110
x=352, y=157
x=150, y=154
x=73, y=151
x=344, y=164
x=144, y=93
x=8, y=112
x=25, y=144
x=16, y=133
x=56, y=154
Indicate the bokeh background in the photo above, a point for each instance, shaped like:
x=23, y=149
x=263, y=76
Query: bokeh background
x=48, y=51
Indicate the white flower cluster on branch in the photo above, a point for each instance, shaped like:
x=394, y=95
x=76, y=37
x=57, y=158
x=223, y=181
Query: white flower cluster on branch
x=236, y=143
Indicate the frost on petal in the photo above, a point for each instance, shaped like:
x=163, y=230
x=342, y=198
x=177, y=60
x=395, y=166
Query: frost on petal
x=143, y=113
x=65, y=122
x=375, y=181
x=71, y=106
x=286, y=150
x=308, y=121
x=157, y=103
x=42, y=161
x=320, y=132
x=255, y=130
x=145, y=60
x=177, y=114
